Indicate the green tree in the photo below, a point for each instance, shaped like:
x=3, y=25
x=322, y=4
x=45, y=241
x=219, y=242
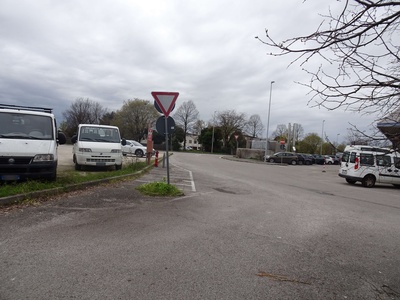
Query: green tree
x=205, y=139
x=310, y=144
x=134, y=118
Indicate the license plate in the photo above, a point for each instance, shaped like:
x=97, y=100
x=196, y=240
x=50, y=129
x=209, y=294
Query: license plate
x=10, y=177
x=100, y=164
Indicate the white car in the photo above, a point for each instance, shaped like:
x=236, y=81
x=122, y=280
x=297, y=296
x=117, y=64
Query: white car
x=329, y=160
x=134, y=148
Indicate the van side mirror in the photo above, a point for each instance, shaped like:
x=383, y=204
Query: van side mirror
x=74, y=138
x=123, y=142
x=61, y=138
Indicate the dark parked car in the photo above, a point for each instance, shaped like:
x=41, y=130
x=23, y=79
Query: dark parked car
x=319, y=159
x=284, y=157
x=304, y=159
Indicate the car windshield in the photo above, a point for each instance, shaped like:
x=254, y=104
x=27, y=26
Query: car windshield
x=99, y=134
x=25, y=126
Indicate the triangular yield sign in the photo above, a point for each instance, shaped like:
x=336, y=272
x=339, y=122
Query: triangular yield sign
x=165, y=101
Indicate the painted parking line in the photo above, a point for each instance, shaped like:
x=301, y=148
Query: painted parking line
x=179, y=176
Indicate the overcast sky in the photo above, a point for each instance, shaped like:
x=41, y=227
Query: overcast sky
x=53, y=52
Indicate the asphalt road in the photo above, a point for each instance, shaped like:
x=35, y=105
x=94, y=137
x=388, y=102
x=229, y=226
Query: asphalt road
x=242, y=231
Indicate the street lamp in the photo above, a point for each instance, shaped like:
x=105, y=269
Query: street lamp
x=269, y=112
x=337, y=142
x=322, y=136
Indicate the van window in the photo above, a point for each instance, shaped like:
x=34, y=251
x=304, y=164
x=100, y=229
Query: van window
x=397, y=162
x=366, y=159
x=353, y=157
x=383, y=160
x=345, y=156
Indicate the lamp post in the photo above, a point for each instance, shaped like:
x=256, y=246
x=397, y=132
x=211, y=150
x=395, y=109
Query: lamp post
x=322, y=136
x=337, y=142
x=269, y=113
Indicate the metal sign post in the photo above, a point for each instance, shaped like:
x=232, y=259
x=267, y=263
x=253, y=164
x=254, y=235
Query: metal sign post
x=166, y=147
x=165, y=101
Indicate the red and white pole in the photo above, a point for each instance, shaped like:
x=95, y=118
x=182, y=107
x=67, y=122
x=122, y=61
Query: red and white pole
x=156, y=160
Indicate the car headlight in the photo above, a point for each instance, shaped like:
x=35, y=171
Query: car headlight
x=115, y=151
x=85, y=150
x=43, y=157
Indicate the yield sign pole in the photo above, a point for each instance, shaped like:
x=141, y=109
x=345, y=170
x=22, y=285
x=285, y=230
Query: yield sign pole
x=166, y=102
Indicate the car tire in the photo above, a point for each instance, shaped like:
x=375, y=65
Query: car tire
x=139, y=153
x=271, y=160
x=293, y=162
x=300, y=162
x=78, y=167
x=368, y=181
x=329, y=162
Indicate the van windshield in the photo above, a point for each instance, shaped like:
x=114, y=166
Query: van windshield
x=99, y=134
x=25, y=126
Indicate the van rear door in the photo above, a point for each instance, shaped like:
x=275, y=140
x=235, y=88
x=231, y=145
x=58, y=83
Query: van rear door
x=385, y=168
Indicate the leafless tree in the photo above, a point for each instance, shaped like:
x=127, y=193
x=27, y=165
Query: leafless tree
x=281, y=132
x=198, y=126
x=359, y=53
x=254, y=126
x=186, y=117
x=229, y=122
x=82, y=111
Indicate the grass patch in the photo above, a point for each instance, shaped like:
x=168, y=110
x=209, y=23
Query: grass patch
x=159, y=189
x=67, y=178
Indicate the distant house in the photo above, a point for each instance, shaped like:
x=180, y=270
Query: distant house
x=192, y=142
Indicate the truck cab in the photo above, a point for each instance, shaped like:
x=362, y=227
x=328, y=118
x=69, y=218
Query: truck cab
x=28, y=143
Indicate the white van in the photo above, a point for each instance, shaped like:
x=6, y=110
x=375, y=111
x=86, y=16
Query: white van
x=370, y=165
x=98, y=146
x=28, y=143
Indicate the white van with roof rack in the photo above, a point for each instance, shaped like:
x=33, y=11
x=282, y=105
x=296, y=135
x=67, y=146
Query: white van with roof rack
x=28, y=143
x=370, y=165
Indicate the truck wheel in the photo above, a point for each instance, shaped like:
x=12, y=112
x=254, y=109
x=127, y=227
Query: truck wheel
x=78, y=167
x=368, y=181
x=118, y=167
